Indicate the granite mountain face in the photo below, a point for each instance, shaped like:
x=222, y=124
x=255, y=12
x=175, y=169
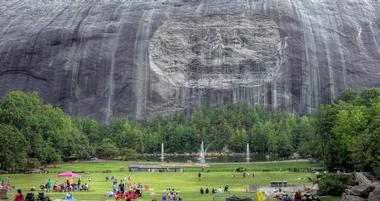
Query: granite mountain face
x=140, y=58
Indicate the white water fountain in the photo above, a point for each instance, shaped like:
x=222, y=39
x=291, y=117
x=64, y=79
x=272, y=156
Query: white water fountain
x=202, y=154
x=248, y=157
x=162, y=152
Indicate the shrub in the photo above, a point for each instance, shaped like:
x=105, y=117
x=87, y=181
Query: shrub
x=33, y=163
x=128, y=154
x=334, y=184
x=241, y=169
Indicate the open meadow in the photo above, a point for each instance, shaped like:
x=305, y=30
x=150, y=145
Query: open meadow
x=187, y=183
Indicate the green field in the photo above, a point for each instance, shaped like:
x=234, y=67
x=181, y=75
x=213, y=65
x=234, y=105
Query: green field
x=186, y=183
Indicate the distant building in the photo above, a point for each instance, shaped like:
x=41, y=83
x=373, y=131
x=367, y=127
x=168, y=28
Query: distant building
x=153, y=168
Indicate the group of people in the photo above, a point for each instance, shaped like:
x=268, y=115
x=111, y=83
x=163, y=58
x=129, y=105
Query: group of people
x=245, y=175
x=214, y=190
x=6, y=184
x=280, y=195
x=172, y=195
x=67, y=186
x=125, y=189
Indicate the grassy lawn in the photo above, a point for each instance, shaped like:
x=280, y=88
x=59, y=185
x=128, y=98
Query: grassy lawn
x=186, y=183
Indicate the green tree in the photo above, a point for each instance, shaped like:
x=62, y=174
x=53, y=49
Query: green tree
x=51, y=133
x=239, y=139
x=107, y=149
x=13, y=154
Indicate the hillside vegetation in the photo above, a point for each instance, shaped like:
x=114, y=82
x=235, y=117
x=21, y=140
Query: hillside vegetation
x=344, y=134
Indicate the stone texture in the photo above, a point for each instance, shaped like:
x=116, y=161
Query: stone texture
x=362, y=179
x=362, y=190
x=373, y=197
x=140, y=58
x=376, y=191
x=351, y=198
x=375, y=194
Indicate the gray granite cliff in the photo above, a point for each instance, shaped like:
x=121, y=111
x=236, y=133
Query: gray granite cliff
x=140, y=58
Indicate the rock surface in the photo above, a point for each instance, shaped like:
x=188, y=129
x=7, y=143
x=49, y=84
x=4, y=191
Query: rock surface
x=365, y=191
x=361, y=190
x=351, y=198
x=140, y=58
x=362, y=179
x=374, y=195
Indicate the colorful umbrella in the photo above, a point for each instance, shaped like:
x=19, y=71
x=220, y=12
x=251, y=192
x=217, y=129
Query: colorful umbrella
x=68, y=174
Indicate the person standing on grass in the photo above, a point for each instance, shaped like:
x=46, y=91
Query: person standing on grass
x=226, y=188
x=19, y=196
x=114, y=187
x=79, y=182
x=48, y=185
x=199, y=176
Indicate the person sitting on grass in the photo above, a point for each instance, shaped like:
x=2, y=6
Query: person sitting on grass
x=55, y=186
x=298, y=196
x=138, y=192
x=19, y=196
x=69, y=196
x=286, y=197
x=42, y=187
x=110, y=194
x=119, y=195
x=58, y=188
x=86, y=187
x=32, y=188
x=279, y=194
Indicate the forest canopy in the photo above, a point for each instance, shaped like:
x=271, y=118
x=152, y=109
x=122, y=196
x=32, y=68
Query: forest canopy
x=344, y=134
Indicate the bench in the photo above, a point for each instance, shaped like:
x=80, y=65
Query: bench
x=279, y=183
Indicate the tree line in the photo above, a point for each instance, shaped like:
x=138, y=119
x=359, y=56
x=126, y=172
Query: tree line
x=348, y=131
x=343, y=134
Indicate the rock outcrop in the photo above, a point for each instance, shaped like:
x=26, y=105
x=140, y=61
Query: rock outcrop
x=374, y=195
x=140, y=58
x=366, y=190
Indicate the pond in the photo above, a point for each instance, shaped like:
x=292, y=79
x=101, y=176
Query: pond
x=238, y=158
